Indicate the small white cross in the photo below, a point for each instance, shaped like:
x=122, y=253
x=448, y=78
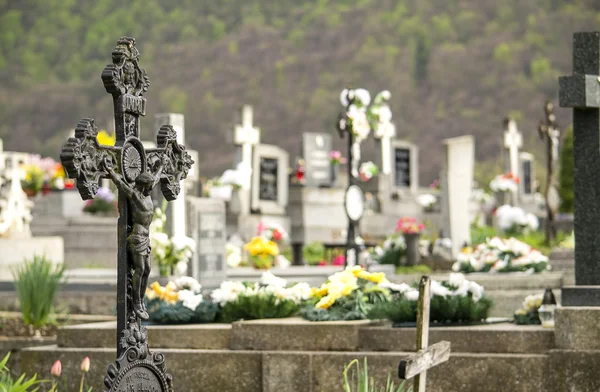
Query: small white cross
x=513, y=140
x=246, y=135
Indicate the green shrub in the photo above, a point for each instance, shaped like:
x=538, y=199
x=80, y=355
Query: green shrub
x=361, y=382
x=254, y=307
x=314, y=253
x=8, y=384
x=37, y=283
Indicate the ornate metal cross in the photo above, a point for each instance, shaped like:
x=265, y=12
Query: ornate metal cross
x=581, y=91
x=550, y=133
x=135, y=171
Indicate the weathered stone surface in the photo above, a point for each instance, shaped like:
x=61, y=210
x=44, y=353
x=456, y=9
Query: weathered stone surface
x=296, y=334
x=496, y=338
x=578, y=328
x=192, y=370
x=574, y=371
x=192, y=336
x=287, y=371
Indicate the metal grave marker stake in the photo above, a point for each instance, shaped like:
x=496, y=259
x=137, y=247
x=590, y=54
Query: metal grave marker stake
x=426, y=357
x=135, y=171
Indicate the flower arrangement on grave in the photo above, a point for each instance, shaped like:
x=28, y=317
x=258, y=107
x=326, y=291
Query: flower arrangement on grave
x=391, y=251
x=501, y=255
x=505, y=183
x=456, y=300
x=336, y=158
x=514, y=220
x=34, y=180
x=409, y=225
x=347, y=295
x=179, y=302
x=435, y=185
x=172, y=254
x=272, y=297
x=104, y=203
x=273, y=232
x=44, y=175
x=367, y=171
x=528, y=313
x=262, y=252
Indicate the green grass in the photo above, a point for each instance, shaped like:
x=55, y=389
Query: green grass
x=413, y=269
x=360, y=381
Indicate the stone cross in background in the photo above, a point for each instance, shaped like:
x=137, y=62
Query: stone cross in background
x=15, y=206
x=581, y=91
x=246, y=136
x=513, y=141
x=550, y=134
x=135, y=171
x=385, y=133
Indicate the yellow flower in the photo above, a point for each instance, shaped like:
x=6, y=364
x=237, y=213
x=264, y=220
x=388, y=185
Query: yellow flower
x=326, y=302
x=375, y=277
x=150, y=294
x=106, y=139
x=466, y=250
x=319, y=292
x=357, y=269
x=261, y=246
x=165, y=293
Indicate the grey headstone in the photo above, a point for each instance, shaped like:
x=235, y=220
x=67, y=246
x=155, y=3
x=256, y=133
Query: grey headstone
x=269, y=179
x=206, y=224
x=315, y=150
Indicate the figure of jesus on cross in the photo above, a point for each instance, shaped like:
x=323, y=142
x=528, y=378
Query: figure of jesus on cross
x=135, y=171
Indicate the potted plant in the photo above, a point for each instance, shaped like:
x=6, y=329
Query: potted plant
x=335, y=160
x=34, y=180
x=314, y=253
x=411, y=230
x=262, y=252
x=103, y=204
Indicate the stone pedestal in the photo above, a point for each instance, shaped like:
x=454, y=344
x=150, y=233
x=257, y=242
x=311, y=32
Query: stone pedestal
x=577, y=328
x=15, y=251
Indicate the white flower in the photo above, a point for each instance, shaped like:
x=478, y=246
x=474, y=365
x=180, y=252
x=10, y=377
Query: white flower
x=363, y=96
x=282, y=261
x=188, y=283
x=189, y=299
x=182, y=242
x=228, y=292
x=181, y=268
x=533, y=222
x=160, y=238
x=300, y=292
x=438, y=289
x=385, y=114
x=59, y=183
x=344, y=97
x=456, y=280
x=426, y=200
x=268, y=278
x=385, y=94
x=502, y=183
x=476, y=291
x=399, y=288
x=234, y=259
x=412, y=295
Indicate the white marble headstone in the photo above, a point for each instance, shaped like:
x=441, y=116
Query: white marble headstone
x=457, y=184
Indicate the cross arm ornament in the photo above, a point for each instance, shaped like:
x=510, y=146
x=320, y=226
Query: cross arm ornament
x=582, y=89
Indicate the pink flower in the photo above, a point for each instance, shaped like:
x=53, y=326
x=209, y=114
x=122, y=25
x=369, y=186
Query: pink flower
x=322, y=263
x=261, y=227
x=85, y=365
x=339, y=260
x=56, y=369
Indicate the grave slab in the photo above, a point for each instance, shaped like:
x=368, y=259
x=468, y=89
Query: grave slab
x=577, y=328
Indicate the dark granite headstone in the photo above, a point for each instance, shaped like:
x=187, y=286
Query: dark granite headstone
x=268, y=179
x=315, y=150
x=581, y=91
x=527, y=181
x=402, y=165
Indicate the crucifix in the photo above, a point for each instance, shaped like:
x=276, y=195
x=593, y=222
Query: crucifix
x=426, y=357
x=354, y=199
x=246, y=136
x=135, y=171
x=550, y=133
x=581, y=91
x=513, y=140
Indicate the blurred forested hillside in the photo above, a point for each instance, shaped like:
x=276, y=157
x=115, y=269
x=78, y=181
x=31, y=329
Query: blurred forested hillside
x=454, y=67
